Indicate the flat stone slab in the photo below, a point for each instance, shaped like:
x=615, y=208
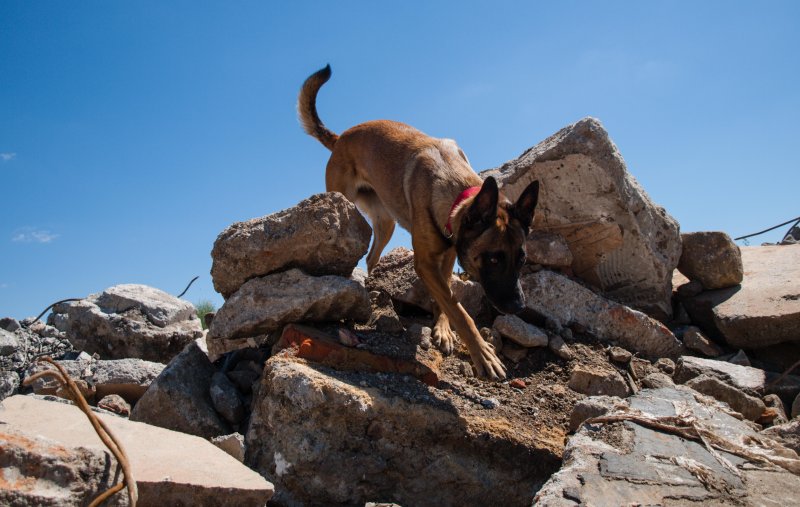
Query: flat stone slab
x=170, y=468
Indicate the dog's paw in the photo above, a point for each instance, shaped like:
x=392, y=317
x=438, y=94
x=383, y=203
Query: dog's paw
x=444, y=337
x=487, y=364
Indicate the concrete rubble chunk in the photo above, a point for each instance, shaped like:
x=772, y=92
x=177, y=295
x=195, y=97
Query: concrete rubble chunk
x=233, y=444
x=763, y=310
x=597, y=380
x=694, y=339
x=752, y=381
x=593, y=406
x=657, y=380
x=583, y=177
x=562, y=300
x=750, y=407
x=8, y=343
x=170, y=468
x=116, y=404
x=179, y=399
x=787, y=434
x=632, y=463
x=711, y=258
x=322, y=235
x=416, y=446
x=520, y=332
x=128, y=321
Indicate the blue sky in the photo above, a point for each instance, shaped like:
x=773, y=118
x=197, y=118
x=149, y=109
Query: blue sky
x=132, y=133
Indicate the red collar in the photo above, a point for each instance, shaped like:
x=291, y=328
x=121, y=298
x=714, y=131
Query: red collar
x=466, y=194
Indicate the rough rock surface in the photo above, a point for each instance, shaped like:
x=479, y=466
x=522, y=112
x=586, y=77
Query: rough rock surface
x=711, y=258
x=591, y=407
x=264, y=305
x=627, y=463
x=787, y=433
x=694, y=339
x=233, y=444
x=566, y=302
x=179, y=399
x=325, y=438
x=127, y=321
x=583, y=177
x=764, y=310
x=548, y=249
x=595, y=381
x=749, y=406
x=170, y=468
x=520, y=332
x=750, y=380
x=322, y=235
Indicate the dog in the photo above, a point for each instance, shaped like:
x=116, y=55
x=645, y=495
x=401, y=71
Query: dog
x=396, y=174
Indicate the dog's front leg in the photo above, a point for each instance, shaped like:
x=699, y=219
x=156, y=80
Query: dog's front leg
x=428, y=267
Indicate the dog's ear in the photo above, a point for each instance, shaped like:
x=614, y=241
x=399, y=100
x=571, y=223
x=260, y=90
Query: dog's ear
x=483, y=209
x=526, y=205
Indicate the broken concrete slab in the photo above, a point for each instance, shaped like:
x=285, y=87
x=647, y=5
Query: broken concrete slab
x=566, y=302
x=750, y=380
x=750, y=407
x=583, y=177
x=597, y=380
x=322, y=235
x=630, y=462
x=170, y=468
x=764, y=310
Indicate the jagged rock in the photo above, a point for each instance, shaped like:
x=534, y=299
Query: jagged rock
x=583, y=177
x=548, y=249
x=9, y=324
x=115, y=403
x=740, y=358
x=597, y=380
x=749, y=406
x=657, y=380
x=322, y=235
x=773, y=401
x=8, y=343
x=9, y=382
x=170, y=468
x=694, y=339
x=178, y=399
x=619, y=355
x=384, y=318
x=764, y=310
x=127, y=321
x=128, y=378
x=264, y=305
x=566, y=302
x=226, y=398
x=628, y=463
x=324, y=439
x=666, y=365
x=593, y=406
x=558, y=347
x=233, y=444
x=787, y=434
x=711, y=258
x=520, y=332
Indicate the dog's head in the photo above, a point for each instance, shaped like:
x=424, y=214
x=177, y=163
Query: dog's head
x=491, y=243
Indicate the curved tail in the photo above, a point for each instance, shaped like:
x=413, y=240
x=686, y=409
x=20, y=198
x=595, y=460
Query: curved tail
x=307, y=108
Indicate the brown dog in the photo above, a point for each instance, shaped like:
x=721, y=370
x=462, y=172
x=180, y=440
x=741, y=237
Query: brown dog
x=395, y=173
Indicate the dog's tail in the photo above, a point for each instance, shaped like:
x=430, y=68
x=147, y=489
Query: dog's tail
x=307, y=108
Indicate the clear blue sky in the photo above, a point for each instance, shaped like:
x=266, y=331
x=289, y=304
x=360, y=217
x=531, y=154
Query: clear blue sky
x=132, y=133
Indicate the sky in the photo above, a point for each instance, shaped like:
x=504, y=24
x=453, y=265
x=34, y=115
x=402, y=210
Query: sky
x=133, y=133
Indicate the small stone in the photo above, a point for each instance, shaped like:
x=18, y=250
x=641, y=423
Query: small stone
x=619, y=355
x=711, y=258
x=594, y=380
x=740, y=358
x=695, y=340
x=517, y=383
x=8, y=343
x=348, y=338
x=558, y=347
x=233, y=444
x=10, y=324
x=657, y=380
x=521, y=332
x=492, y=337
x=666, y=365
x=490, y=403
x=115, y=403
x=420, y=335
x=514, y=352
x=9, y=382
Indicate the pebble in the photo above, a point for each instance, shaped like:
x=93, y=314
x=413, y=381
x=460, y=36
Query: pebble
x=517, y=383
x=490, y=403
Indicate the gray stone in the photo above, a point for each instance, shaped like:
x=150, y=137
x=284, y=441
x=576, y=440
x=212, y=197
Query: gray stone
x=750, y=380
x=566, y=302
x=520, y=332
x=548, y=249
x=264, y=305
x=128, y=321
x=226, y=398
x=711, y=258
x=740, y=358
x=322, y=235
x=384, y=318
x=9, y=382
x=788, y=434
x=420, y=335
x=619, y=355
x=764, y=310
x=128, y=378
x=9, y=324
x=583, y=177
x=558, y=347
x=750, y=407
x=596, y=380
x=628, y=463
x=666, y=365
x=694, y=339
x=233, y=444
x=178, y=399
x=593, y=406
x=8, y=343
x=657, y=380
x=170, y=468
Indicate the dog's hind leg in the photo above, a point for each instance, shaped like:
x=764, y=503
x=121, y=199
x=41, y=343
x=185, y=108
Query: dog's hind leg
x=382, y=224
x=443, y=335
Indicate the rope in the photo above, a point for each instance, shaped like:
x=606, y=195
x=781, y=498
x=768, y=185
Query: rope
x=187, y=287
x=56, y=303
x=795, y=220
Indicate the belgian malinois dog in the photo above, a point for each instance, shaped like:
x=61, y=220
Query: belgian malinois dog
x=395, y=173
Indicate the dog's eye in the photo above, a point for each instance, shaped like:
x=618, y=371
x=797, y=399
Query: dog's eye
x=494, y=260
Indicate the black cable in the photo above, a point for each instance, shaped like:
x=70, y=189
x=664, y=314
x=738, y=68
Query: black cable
x=796, y=220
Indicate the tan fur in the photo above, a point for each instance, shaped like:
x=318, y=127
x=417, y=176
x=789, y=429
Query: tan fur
x=395, y=173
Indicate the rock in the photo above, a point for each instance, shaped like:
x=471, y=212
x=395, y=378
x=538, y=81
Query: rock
x=740, y=358
x=514, y=352
x=322, y=235
x=170, y=468
x=115, y=403
x=326, y=440
x=711, y=258
x=619, y=355
x=490, y=403
x=773, y=401
x=128, y=378
x=558, y=347
x=517, y=383
x=420, y=335
x=384, y=318
x=689, y=289
x=243, y=379
x=558, y=298
x=548, y=249
x=264, y=305
x=178, y=399
x=493, y=338
x=694, y=339
x=764, y=310
x=128, y=321
x=628, y=463
x=583, y=177
x=226, y=398
x=788, y=434
x=597, y=380
x=666, y=365
x=591, y=407
x=9, y=382
x=749, y=406
x=9, y=324
x=76, y=369
x=8, y=343
x=657, y=380
x=233, y=444
x=520, y=332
